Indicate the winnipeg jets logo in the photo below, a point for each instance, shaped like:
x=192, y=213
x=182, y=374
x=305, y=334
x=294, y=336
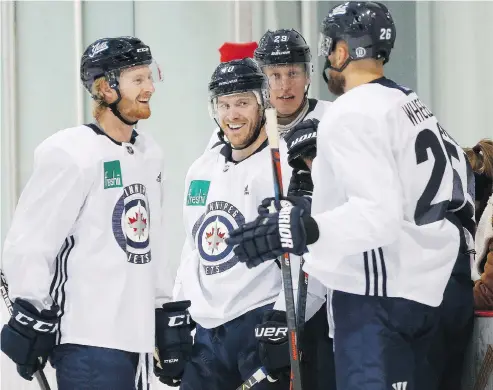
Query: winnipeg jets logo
x=339, y=10
x=210, y=233
x=130, y=222
x=98, y=48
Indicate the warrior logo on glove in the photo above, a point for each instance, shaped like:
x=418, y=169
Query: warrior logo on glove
x=272, y=234
x=285, y=224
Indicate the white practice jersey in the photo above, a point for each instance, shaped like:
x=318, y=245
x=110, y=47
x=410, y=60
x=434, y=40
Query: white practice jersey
x=392, y=197
x=220, y=196
x=87, y=236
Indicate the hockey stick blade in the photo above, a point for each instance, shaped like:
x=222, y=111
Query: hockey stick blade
x=257, y=377
x=273, y=137
x=39, y=375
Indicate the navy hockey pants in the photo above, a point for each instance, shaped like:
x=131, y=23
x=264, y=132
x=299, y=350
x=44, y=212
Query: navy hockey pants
x=224, y=357
x=81, y=367
x=382, y=343
x=454, y=332
x=317, y=363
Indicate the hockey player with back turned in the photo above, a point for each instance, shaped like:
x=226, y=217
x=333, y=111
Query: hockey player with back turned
x=391, y=213
x=83, y=254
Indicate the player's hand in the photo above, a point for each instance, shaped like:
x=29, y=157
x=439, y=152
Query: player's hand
x=273, y=348
x=302, y=143
x=301, y=184
x=29, y=337
x=269, y=236
x=173, y=341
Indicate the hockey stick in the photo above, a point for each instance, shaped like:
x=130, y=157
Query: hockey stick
x=301, y=313
x=273, y=136
x=257, y=377
x=39, y=375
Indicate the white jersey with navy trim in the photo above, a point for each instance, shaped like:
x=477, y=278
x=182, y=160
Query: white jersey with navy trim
x=219, y=298
x=221, y=196
x=87, y=236
x=392, y=197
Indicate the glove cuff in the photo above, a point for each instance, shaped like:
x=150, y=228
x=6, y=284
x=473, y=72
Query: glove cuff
x=174, y=315
x=311, y=229
x=25, y=314
x=175, y=306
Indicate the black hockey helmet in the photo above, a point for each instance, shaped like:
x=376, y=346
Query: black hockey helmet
x=239, y=76
x=107, y=57
x=282, y=47
x=367, y=28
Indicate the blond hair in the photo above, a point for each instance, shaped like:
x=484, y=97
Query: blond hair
x=98, y=104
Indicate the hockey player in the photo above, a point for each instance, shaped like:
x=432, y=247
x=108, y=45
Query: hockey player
x=223, y=190
x=285, y=58
x=83, y=254
x=391, y=217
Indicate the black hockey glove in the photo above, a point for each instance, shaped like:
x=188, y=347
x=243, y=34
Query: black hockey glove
x=173, y=341
x=273, y=347
x=302, y=143
x=301, y=184
x=29, y=337
x=271, y=235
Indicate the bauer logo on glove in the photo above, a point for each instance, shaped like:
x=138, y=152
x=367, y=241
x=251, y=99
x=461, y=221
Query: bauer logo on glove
x=302, y=144
x=271, y=333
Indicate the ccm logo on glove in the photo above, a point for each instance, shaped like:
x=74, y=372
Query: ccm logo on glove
x=179, y=320
x=37, y=325
x=272, y=334
x=285, y=226
x=170, y=361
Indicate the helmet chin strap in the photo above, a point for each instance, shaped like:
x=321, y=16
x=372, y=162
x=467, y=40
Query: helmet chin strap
x=328, y=65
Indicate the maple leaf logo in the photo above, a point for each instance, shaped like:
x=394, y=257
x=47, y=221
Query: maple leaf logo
x=214, y=237
x=138, y=224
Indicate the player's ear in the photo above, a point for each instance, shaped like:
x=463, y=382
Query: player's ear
x=341, y=53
